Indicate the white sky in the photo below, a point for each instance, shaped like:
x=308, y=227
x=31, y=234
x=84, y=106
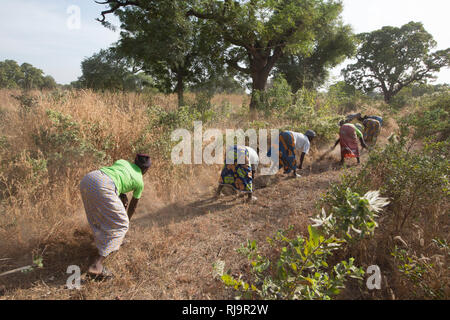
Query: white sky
x=35, y=31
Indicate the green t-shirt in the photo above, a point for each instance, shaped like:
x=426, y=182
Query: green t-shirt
x=126, y=176
x=357, y=131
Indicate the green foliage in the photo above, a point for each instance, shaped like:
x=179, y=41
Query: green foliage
x=108, y=70
x=4, y=144
x=163, y=123
x=178, y=51
x=418, y=272
x=300, y=270
x=25, y=76
x=278, y=97
x=352, y=217
x=258, y=33
x=63, y=144
x=392, y=58
x=307, y=112
x=334, y=42
x=219, y=84
x=432, y=119
x=26, y=103
x=203, y=105
x=416, y=183
x=344, y=96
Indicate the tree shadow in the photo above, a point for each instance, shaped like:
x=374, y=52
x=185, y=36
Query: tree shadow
x=57, y=255
x=319, y=167
x=178, y=212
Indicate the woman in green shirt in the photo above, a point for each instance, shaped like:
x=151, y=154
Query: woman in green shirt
x=104, y=197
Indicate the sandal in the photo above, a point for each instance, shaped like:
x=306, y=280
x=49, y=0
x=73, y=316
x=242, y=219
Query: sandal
x=104, y=275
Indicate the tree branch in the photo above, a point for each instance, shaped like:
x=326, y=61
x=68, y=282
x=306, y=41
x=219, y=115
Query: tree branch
x=234, y=64
x=115, y=5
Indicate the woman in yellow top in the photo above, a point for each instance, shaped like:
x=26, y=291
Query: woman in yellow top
x=105, y=202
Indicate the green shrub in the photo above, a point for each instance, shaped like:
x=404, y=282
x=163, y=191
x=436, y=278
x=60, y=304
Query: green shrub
x=299, y=271
x=307, y=113
x=432, y=120
x=63, y=143
x=419, y=274
x=352, y=217
x=26, y=103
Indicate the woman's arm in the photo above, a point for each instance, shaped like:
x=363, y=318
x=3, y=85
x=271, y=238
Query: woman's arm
x=123, y=197
x=302, y=158
x=337, y=142
x=363, y=143
x=132, y=207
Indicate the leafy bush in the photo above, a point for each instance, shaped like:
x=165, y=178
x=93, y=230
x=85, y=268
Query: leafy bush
x=26, y=103
x=420, y=274
x=299, y=268
x=299, y=271
x=344, y=96
x=276, y=98
x=432, y=120
x=63, y=143
x=415, y=183
x=309, y=113
x=279, y=96
x=352, y=214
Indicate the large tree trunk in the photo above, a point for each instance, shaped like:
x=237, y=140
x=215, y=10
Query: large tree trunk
x=388, y=97
x=259, y=82
x=180, y=89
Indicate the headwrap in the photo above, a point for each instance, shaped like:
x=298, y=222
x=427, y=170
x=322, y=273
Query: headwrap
x=143, y=161
x=310, y=133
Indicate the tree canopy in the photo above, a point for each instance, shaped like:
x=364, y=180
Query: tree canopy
x=108, y=70
x=334, y=42
x=25, y=76
x=392, y=58
x=178, y=51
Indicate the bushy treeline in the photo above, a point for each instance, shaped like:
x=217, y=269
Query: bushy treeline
x=24, y=76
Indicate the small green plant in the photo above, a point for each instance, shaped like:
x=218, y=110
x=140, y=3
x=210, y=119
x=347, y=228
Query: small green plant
x=299, y=269
x=352, y=215
x=417, y=272
x=26, y=102
x=4, y=144
x=202, y=101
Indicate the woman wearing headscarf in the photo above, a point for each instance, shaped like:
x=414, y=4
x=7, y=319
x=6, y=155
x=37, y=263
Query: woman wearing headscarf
x=348, y=139
x=372, y=128
x=105, y=202
x=237, y=172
